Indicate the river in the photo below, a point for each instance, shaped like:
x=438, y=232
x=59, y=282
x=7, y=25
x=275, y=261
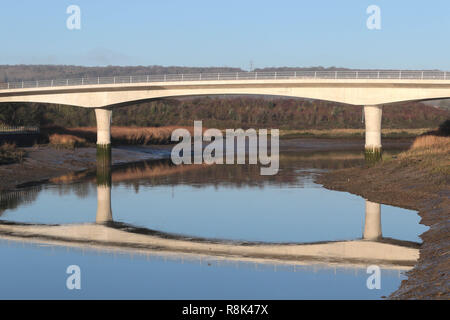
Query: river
x=153, y=230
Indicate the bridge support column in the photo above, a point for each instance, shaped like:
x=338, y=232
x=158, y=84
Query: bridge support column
x=372, y=116
x=104, y=118
x=372, y=223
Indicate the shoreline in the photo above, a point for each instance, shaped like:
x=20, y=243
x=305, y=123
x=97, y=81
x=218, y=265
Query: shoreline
x=407, y=188
x=45, y=162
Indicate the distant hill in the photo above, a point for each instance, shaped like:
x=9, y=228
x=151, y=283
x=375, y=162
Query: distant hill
x=442, y=104
x=11, y=73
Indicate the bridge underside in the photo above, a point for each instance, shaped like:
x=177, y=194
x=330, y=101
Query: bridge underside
x=355, y=92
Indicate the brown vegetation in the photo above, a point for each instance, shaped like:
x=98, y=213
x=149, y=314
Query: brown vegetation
x=350, y=133
x=133, y=135
x=128, y=135
x=431, y=154
x=66, y=141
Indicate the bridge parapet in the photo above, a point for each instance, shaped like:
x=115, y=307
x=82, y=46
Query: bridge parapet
x=284, y=75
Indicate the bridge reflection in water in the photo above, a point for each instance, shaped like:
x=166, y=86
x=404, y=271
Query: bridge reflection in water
x=107, y=235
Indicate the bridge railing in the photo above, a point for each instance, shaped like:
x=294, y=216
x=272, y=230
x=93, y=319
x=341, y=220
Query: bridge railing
x=354, y=74
x=5, y=129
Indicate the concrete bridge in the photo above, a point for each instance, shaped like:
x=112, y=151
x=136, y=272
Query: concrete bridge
x=369, y=89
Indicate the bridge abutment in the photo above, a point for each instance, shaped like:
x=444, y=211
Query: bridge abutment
x=372, y=223
x=372, y=116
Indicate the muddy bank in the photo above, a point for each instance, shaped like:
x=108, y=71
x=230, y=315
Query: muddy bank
x=409, y=187
x=324, y=144
x=44, y=162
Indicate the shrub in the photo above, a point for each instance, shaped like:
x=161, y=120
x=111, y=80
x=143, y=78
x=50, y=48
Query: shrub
x=444, y=128
x=66, y=141
x=10, y=154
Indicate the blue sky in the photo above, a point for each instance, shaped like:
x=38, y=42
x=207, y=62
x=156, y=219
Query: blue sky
x=413, y=35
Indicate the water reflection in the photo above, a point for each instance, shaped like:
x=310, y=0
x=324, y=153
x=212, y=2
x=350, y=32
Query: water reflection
x=208, y=232
x=104, y=212
x=296, y=171
x=372, y=225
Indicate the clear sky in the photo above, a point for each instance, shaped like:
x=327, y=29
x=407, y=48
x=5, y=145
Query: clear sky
x=413, y=35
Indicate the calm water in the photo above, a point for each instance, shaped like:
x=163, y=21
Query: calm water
x=227, y=204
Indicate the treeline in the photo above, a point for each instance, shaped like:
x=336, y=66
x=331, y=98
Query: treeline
x=228, y=112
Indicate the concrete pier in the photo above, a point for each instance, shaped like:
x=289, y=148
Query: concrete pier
x=372, y=116
x=104, y=117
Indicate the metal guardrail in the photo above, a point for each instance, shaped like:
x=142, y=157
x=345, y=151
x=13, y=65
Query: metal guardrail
x=382, y=74
x=18, y=130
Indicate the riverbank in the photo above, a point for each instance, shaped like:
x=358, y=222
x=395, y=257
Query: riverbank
x=87, y=136
x=44, y=162
x=417, y=179
x=352, y=133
